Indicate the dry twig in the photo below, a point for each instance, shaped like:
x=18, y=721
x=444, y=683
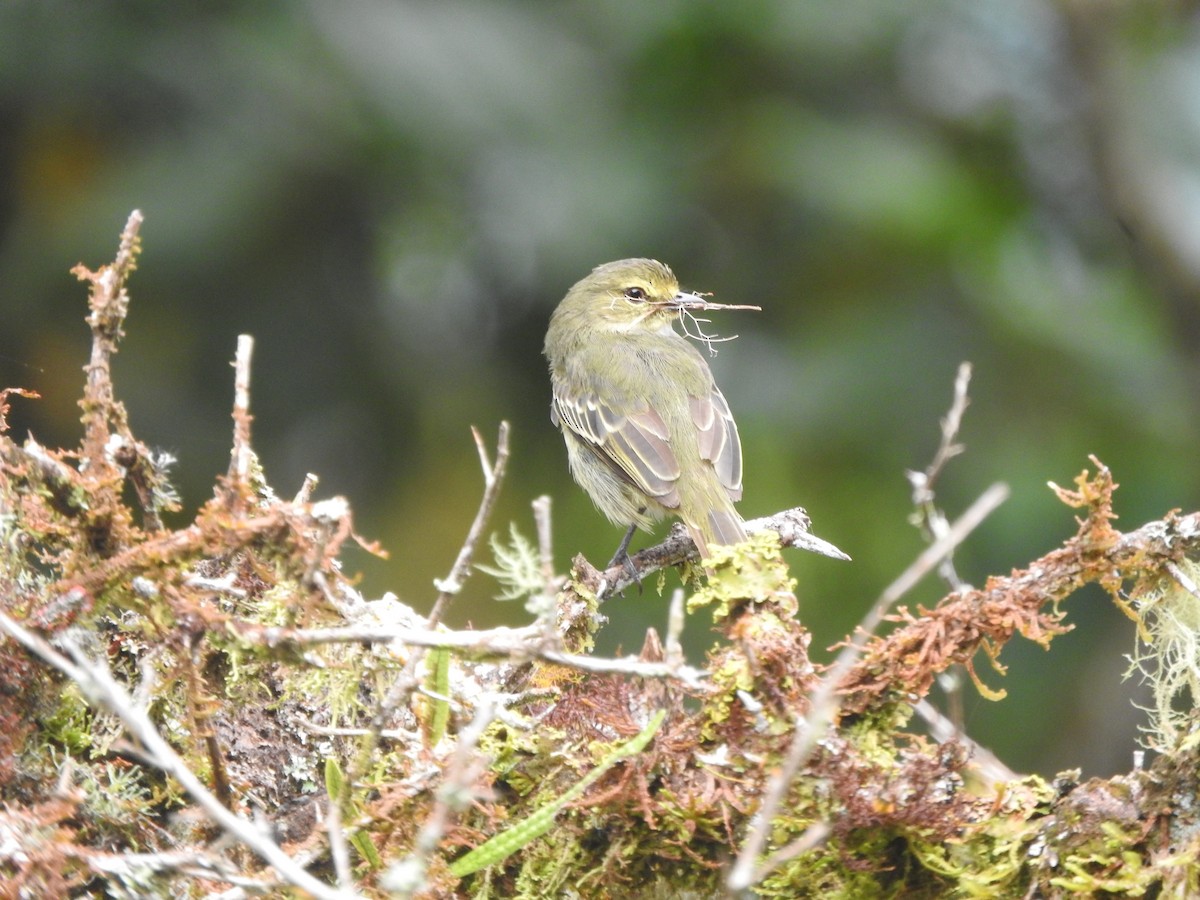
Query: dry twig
x=493, y=477
x=927, y=516
x=513, y=644
x=241, y=456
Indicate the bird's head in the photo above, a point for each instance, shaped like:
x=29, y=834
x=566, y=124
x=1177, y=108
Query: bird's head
x=631, y=295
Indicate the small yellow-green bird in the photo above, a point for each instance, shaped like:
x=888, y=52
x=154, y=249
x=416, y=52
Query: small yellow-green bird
x=648, y=432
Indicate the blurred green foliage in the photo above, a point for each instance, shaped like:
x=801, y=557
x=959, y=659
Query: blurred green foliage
x=391, y=197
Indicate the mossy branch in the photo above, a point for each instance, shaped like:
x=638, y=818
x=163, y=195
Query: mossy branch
x=1026, y=602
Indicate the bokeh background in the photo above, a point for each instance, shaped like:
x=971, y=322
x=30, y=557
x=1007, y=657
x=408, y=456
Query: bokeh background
x=391, y=197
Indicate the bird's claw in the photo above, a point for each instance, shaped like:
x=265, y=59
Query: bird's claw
x=623, y=560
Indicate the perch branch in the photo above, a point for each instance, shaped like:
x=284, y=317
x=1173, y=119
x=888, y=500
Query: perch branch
x=792, y=526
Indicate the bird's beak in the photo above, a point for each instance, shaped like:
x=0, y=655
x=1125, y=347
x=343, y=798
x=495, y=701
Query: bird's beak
x=687, y=300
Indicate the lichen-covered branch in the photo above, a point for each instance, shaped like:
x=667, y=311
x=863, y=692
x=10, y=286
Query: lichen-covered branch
x=1025, y=602
x=791, y=525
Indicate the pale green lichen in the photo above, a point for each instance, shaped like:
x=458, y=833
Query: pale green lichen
x=753, y=571
x=1167, y=652
x=516, y=568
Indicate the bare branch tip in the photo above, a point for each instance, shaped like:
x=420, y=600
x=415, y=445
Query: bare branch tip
x=126, y=260
x=485, y=461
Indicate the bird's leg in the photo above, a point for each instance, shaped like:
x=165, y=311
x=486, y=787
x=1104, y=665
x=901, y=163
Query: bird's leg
x=622, y=557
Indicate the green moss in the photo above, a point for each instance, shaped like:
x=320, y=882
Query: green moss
x=70, y=724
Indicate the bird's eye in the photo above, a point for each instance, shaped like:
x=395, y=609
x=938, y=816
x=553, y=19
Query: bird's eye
x=636, y=294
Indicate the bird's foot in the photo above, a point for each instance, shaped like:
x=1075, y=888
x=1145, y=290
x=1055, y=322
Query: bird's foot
x=623, y=560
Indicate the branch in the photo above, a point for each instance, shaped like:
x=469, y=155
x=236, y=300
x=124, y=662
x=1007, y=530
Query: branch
x=943, y=730
x=493, y=476
x=792, y=526
x=927, y=516
x=449, y=587
x=514, y=644
x=407, y=877
x=954, y=630
x=241, y=456
x=109, y=303
x=109, y=447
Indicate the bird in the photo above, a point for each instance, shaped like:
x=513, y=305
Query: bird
x=648, y=432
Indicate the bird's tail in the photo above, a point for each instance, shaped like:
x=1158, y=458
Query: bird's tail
x=721, y=527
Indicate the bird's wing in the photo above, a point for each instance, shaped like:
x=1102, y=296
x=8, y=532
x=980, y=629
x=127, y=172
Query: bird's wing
x=719, y=442
x=636, y=443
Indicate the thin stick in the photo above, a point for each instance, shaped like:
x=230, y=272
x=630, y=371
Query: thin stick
x=541, y=518
x=338, y=849
x=811, y=837
x=449, y=587
x=672, y=648
x=109, y=304
x=493, y=476
x=407, y=877
x=825, y=704
x=928, y=517
x=241, y=455
x=304, y=495
x=944, y=729
x=192, y=864
x=947, y=447
x=931, y=519
x=550, y=581
x=1182, y=577
x=516, y=644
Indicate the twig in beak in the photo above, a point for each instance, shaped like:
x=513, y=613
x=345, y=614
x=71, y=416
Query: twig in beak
x=687, y=303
